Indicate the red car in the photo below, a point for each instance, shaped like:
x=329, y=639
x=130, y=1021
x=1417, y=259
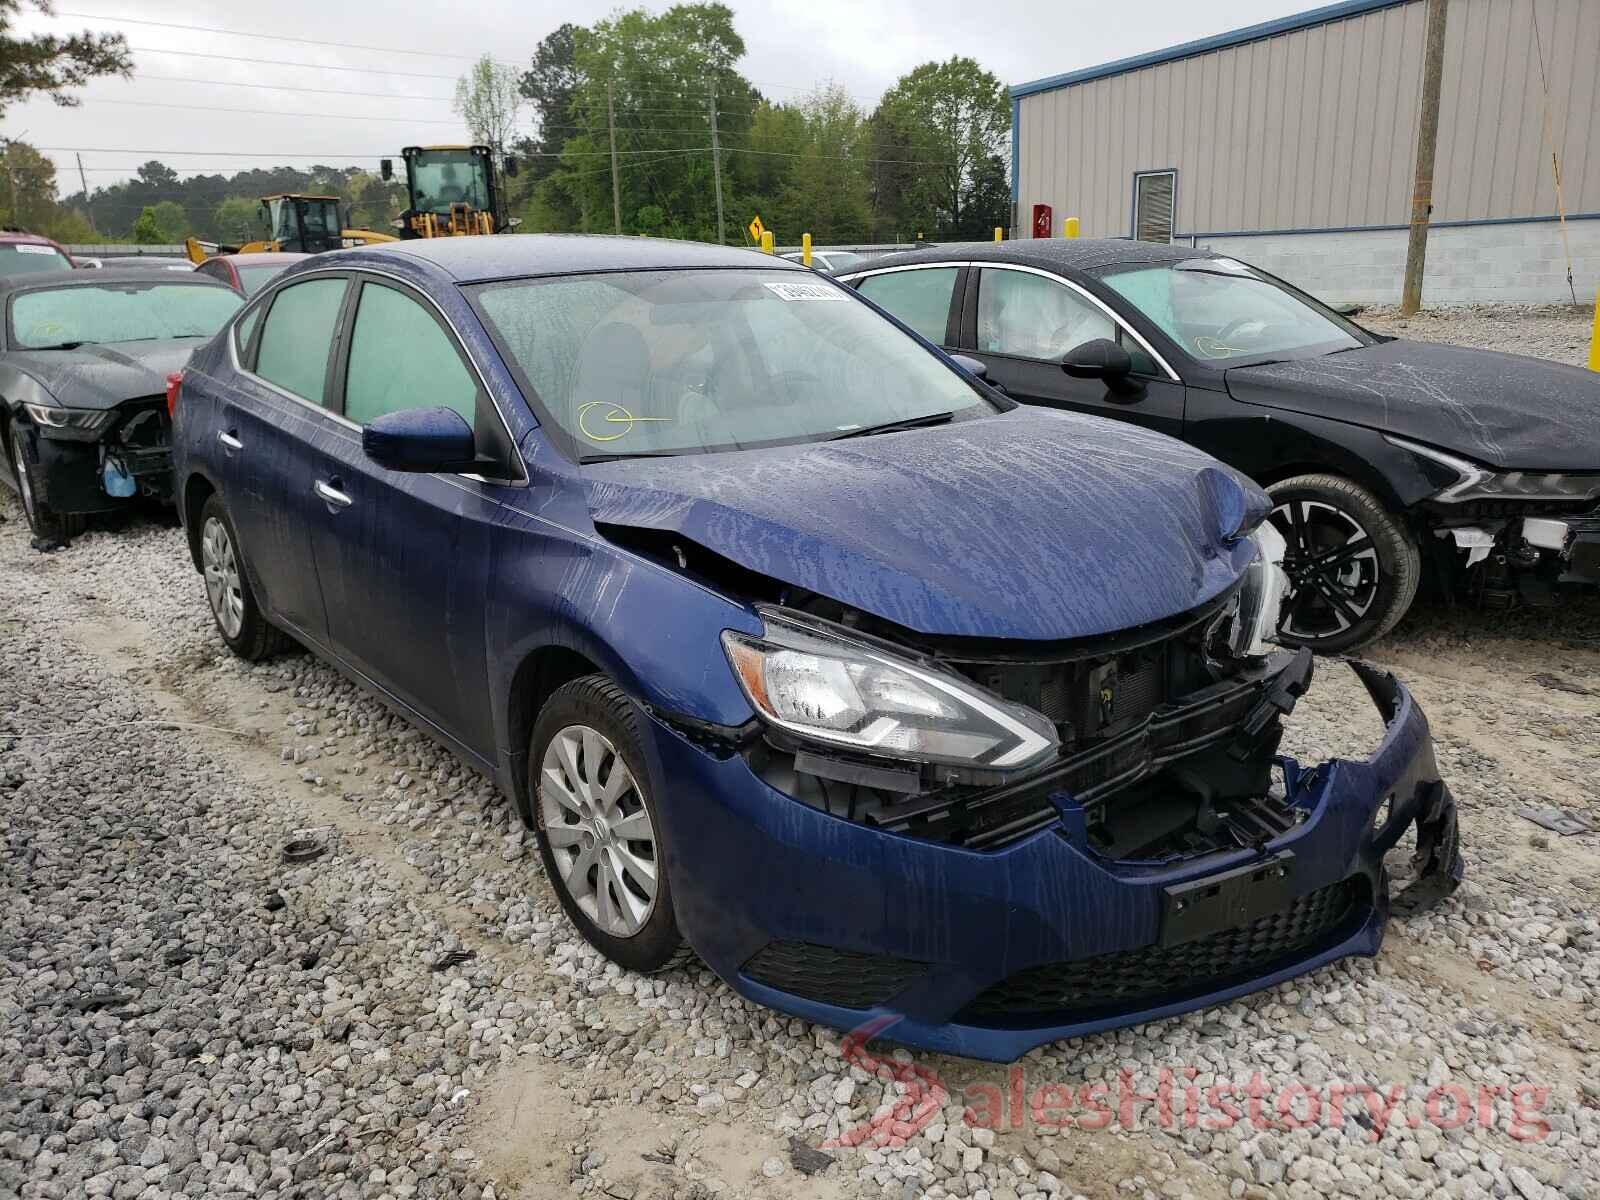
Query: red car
x=248, y=273
x=29, y=253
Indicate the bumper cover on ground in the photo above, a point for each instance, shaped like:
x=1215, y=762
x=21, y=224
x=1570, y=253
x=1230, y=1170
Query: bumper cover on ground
x=988, y=954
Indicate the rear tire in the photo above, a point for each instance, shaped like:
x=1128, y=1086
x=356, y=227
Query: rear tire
x=1353, y=566
x=50, y=528
x=238, y=617
x=599, y=831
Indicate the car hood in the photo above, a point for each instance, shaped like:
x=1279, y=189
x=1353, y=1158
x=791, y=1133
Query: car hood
x=1030, y=524
x=105, y=375
x=1504, y=410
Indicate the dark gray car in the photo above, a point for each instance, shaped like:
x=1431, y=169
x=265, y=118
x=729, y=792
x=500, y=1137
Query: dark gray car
x=84, y=360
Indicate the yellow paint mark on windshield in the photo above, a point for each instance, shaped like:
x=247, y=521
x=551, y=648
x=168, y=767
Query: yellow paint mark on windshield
x=616, y=415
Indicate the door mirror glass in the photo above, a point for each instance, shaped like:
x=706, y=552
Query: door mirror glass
x=422, y=440
x=1101, y=358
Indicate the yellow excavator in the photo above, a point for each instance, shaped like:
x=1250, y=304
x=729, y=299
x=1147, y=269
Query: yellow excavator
x=295, y=222
x=452, y=191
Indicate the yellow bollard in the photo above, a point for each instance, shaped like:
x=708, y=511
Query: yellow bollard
x=1069, y=227
x=1594, y=338
x=805, y=248
x=999, y=233
x=766, y=242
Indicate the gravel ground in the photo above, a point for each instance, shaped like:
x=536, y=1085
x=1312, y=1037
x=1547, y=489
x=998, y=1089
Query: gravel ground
x=186, y=1013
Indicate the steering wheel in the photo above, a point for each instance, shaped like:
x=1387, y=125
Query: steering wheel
x=786, y=383
x=1238, y=324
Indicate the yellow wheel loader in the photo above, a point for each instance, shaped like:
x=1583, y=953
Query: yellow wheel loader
x=452, y=191
x=298, y=223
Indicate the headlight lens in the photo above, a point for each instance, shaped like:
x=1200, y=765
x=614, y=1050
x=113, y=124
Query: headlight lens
x=1479, y=483
x=50, y=416
x=825, y=687
x=1255, y=629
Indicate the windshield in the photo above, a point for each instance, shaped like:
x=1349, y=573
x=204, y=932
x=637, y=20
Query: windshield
x=28, y=258
x=689, y=362
x=440, y=178
x=253, y=279
x=121, y=312
x=1221, y=310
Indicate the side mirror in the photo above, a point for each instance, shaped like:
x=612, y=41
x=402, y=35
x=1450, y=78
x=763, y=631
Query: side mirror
x=1100, y=359
x=386, y=168
x=512, y=165
x=422, y=440
x=971, y=366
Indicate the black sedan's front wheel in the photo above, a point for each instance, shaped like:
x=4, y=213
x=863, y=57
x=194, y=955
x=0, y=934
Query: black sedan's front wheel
x=1353, y=568
x=50, y=528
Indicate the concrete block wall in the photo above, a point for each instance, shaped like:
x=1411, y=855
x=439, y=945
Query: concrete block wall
x=1520, y=263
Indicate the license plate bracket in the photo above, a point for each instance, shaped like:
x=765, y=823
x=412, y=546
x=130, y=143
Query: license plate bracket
x=1227, y=900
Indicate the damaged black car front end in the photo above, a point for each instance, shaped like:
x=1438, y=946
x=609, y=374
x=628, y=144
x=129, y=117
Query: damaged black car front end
x=84, y=369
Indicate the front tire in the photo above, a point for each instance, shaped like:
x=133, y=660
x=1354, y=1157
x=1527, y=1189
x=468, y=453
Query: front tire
x=598, y=827
x=1353, y=567
x=50, y=528
x=238, y=617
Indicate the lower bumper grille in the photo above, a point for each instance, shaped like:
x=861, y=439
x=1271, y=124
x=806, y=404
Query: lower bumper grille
x=826, y=975
x=1128, y=979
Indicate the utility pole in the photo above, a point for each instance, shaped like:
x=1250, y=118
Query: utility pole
x=1427, y=143
x=88, y=210
x=616, y=183
x=716, y=163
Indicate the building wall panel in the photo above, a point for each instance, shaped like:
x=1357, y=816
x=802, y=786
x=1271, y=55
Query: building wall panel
x=1316, y=128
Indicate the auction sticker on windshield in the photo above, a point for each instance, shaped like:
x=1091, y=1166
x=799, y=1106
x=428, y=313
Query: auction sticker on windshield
x=804, y=291
x=29, y=248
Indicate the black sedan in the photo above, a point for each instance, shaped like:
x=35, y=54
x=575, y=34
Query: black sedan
x=1385, y=457
x=84, y=360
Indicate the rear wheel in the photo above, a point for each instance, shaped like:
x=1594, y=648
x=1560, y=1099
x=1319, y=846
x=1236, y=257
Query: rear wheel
x=50, y=528
x=1353, y=568
x=233, y=604
x=598, y=827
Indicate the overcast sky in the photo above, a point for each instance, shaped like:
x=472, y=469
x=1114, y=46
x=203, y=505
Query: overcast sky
x=164, y=109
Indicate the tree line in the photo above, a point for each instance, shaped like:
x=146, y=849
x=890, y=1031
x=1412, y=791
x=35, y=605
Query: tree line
x=927, y=160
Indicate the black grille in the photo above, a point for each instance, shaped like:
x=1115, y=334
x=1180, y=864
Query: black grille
x=826, y=975
x=1124, y=980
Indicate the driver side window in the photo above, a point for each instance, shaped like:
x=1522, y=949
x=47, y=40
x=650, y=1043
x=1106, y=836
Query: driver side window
x=400, y=358
x=1029, y=316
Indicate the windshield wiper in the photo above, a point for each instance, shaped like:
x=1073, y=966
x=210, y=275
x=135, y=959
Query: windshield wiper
x=65, y=345
x=586, y=459
x=942, y=418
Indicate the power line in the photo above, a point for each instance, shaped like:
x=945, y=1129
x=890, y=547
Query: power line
x=278, y=62
x=276, y=37
x=289, y=87
x=272, y=112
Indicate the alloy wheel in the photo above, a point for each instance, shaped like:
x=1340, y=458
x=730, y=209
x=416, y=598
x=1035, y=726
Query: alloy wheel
x=221, y=567
x=1332, y=564
x=599, y=830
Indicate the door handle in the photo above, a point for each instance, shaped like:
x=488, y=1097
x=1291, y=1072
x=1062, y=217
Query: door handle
x=227, y=439
x=330, y=493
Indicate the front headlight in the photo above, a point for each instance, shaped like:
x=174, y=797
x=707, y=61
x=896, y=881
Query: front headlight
x=1473, y=482
x=823, y=686
x=51, y=416
x=1255, y=628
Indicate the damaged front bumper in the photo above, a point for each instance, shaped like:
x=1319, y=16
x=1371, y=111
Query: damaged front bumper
x=990, y=953
x=128, y=456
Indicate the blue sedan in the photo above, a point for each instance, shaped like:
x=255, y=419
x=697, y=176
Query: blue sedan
x=793, y=641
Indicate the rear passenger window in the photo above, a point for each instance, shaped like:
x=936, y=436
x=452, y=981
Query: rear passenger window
x=400, y=358
x=297, y=336
x=920, y=298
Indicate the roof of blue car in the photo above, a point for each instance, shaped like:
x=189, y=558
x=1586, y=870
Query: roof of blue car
x=475, y=259
x=1056, y=254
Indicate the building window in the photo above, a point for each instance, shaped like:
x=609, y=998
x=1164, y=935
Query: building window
x=1154, y=202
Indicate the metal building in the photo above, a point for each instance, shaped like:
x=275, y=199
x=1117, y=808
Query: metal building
x=1292, y=144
